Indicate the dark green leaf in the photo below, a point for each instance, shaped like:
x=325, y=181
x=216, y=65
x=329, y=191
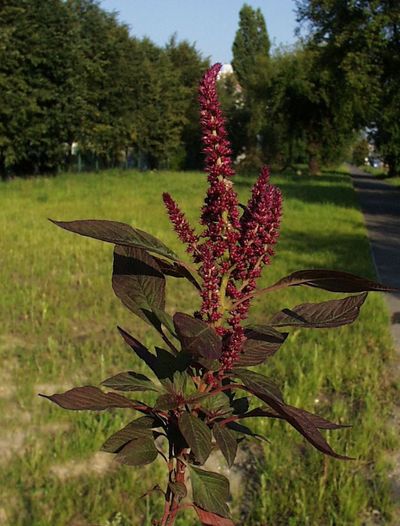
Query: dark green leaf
x=197, y=337
x=332, y=280
x=138, y=282
x=240, y=405
x=168, y=364
x=244, y=430
x=207, y=518
x=210, y=491
x=333, y=313
x=226, y=441
x=89, y=397
x=258, y=384
x=118, y=234
x=217, y=402
x=179, y=489
x=136, y=429
x=130, y=381
x=138, y=452
x=198, y=436
x=261, y=343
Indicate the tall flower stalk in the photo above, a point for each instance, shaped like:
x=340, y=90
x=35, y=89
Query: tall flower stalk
x=199, y=379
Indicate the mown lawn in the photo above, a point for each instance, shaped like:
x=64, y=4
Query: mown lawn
x=59, y=318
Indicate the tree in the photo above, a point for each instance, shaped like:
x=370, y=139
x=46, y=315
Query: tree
x=37, y=53
x=250, y=63
x=188, y=62
x=251, y=44
x=360, y=152
x=361, y=41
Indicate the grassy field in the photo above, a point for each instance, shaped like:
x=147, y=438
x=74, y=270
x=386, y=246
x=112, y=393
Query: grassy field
x=59, y=318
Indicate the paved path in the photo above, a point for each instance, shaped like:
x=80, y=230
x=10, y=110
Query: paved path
x=380, y=203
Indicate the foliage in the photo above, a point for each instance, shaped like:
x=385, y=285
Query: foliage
x=204, y=350
x=360, y=152
x=62, y=85
x=250, y=50
x=360, y=42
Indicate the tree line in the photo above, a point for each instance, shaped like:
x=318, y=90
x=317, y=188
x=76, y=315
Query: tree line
x=73, y=79
x=319, y=100
x=71, y=74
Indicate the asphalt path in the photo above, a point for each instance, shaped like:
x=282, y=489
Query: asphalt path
x=380, y=203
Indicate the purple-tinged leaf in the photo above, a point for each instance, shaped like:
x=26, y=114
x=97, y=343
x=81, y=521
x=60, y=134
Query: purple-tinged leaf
x=259, y=384
x=333, y=313
x=261, y=343
x=138, y=452
x=210, y=491
x=89, y=397
x=142, y=427
x=177, y=270
x=197, y=435
x=197, y=337
x=138, y=282
x=167, y=402
x=318, y=421
x=304, y=425
x=178, y=488
x=130, y=381
x=332, y=280
x=118, y=234
x=227, y=443
x=208, y=518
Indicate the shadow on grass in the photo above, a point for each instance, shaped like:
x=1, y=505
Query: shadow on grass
x=327, y=188
x=347, y=252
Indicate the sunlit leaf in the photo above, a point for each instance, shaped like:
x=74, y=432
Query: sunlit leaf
x=333, y=313
x=130, y=381
x=142, y=427
x=318, y=421
x=226, y=441
x=138, y=282
x=118, y=234
x=332, y=280
x=210, y=491
x=89, y=397
x=261, y=343
x=138, y=452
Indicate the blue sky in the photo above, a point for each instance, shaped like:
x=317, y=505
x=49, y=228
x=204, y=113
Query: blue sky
x=211, y=24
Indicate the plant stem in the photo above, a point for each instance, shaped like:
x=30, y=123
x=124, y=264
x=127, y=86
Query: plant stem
x=171, y=507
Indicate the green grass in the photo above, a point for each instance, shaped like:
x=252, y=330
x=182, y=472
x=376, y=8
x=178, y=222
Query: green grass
x=59, y=320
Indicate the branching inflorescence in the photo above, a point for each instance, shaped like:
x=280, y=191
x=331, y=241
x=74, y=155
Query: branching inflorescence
x=198, y=378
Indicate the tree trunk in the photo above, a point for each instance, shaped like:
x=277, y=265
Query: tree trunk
x=314, y=166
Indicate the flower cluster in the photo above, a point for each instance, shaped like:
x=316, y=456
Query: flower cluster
x=233, y=248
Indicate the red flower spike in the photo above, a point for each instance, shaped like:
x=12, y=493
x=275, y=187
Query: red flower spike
x=181, y=225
